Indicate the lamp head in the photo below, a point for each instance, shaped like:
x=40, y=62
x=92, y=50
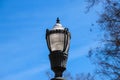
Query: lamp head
x=58, y=38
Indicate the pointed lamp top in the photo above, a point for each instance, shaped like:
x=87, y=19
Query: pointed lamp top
x=58, y=25
x=58, y=20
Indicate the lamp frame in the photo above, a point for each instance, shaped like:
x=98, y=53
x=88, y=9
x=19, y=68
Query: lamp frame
x=66, y=37
x=58, y=58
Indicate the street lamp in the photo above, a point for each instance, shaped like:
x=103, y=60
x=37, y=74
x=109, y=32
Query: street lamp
x=58, y=41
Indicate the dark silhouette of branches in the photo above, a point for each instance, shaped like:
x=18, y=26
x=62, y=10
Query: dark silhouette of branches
x=107, y=56
x=80, y=76
x=68, y=76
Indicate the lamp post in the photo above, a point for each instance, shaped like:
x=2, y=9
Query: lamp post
x=58, y=41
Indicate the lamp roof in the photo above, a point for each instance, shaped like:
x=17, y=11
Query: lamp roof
x=58, y=25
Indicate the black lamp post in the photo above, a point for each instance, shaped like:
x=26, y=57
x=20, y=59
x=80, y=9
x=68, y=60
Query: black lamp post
x=58, y=41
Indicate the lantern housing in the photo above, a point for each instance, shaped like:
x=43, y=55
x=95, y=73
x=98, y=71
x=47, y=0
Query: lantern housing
x=58, y=42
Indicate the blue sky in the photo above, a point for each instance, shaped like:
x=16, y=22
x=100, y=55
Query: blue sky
x=23, y=49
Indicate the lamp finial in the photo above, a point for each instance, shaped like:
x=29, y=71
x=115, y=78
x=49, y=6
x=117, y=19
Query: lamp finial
x=57, y=21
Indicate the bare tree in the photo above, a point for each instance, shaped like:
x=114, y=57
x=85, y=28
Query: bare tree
x=83, y=76
x=107, y=56
x=68, y=76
